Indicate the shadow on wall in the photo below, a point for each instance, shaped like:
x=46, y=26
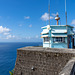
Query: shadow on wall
x=73, y=70
x=69, y=69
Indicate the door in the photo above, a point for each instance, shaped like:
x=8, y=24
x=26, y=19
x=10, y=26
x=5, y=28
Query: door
x=70, y=41
x=70, y=45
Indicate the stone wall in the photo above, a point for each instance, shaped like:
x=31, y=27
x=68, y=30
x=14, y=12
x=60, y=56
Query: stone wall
x=42, y=61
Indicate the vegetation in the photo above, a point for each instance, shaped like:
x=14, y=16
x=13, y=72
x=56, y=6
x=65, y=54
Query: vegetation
x=11, y=72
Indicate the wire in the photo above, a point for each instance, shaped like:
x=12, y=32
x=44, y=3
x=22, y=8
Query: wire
x=65, y=12
x=49, y=11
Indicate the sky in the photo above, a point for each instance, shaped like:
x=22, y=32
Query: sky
x=21, y=20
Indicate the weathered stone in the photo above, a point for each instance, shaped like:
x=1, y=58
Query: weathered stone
x=43, y=61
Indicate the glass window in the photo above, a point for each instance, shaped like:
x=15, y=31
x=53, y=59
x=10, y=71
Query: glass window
x=46, y=39
x=59, y=39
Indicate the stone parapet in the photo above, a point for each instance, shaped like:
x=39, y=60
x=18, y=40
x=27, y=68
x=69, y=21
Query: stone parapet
x=42, y=61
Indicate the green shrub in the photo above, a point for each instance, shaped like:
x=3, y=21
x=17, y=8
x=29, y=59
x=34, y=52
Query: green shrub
x=11, y=72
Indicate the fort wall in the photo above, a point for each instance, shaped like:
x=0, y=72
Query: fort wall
x=43, y=61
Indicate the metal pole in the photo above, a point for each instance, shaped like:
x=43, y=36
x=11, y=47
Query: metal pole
x=49, y=21
x=65, y=12
x=49, y=11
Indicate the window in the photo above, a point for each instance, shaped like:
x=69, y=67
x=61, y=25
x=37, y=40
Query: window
x=59, y=39
x=71, y=29
x=46, y=39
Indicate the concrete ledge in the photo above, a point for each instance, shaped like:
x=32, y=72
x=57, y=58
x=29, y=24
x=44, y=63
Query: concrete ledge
x=59, y=50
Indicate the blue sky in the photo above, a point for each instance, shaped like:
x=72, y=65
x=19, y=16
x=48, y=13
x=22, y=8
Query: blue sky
x=21, y=20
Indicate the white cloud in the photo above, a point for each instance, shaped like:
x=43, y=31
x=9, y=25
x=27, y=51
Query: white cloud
x=28, y=37
x=26, y=17
x=30, y=25
x=6, y=33
x=36, y=36
x=54, y=14
x=4, y=29
x=20, y=25
x=73, y=22
x=13, y=36
x=10, y=36
x=45, y=17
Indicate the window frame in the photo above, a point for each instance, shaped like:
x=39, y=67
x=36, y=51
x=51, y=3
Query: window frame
x=46, y=39
x=59, y=40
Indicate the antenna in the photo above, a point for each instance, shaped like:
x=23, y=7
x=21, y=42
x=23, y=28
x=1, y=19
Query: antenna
x=65, y=12
x=49, y=11
x=49, y=20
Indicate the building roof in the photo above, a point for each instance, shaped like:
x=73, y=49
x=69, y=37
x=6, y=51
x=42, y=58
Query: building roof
x=45, y=31
x=57, y=26
x=44, y=36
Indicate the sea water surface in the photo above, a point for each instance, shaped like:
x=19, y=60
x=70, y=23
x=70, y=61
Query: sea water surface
x=8, y=54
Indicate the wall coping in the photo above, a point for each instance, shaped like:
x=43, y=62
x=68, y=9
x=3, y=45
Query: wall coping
x=57, y=50
x=68, y=69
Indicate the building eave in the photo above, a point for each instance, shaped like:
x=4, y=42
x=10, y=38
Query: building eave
x=57, y=26
x=70, y=26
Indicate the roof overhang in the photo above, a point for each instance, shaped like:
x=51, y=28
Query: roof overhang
x=45, y=31
x=44, y=36
x=57, y=26
x=70, y=26
x=59, y=36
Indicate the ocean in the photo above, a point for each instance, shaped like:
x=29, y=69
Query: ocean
x=8, y=54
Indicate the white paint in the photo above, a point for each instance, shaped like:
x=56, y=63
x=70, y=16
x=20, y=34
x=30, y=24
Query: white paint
x=45, y=31
x=44, y=36
x=59, y=31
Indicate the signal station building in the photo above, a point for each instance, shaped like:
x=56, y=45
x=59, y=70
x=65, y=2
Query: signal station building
x=57, y=36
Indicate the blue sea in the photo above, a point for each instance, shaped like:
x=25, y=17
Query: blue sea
x=8, y=55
